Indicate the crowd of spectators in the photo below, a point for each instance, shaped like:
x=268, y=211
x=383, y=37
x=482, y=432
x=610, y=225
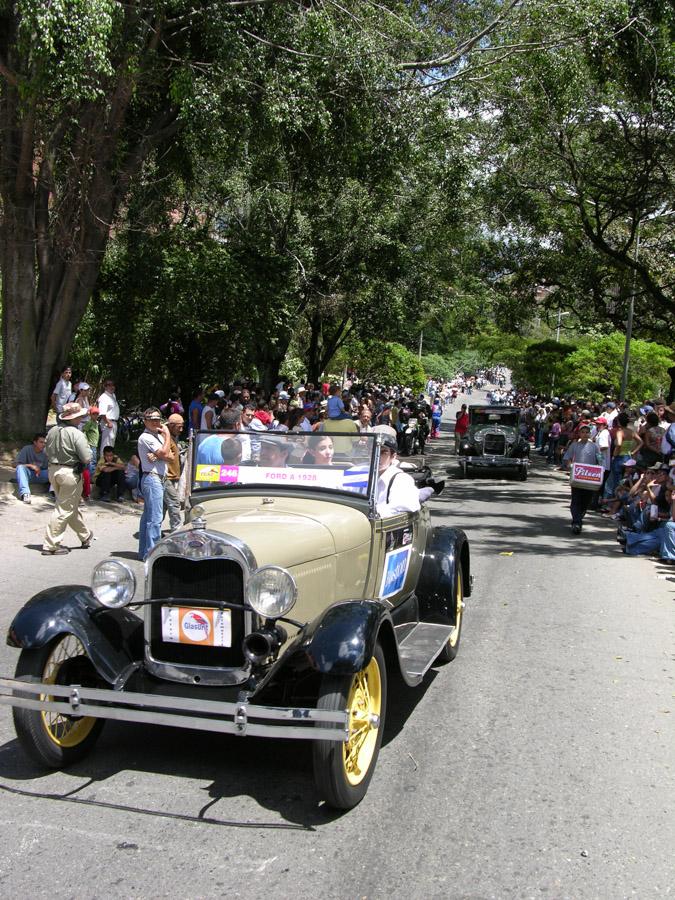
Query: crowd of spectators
x=635, y=446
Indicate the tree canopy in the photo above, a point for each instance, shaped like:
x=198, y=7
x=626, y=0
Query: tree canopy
x=203, y=187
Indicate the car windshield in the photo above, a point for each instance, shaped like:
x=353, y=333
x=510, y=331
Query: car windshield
x=495, y=417
x=325, y=461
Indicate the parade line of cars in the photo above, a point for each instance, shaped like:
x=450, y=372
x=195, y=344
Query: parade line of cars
x=285, y=607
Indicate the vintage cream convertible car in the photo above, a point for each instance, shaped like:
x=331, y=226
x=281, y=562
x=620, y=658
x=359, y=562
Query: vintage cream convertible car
x=283, y=608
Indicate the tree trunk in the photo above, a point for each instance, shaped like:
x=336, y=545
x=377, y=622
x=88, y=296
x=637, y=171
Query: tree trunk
x=325, y=340
x=39, y=319
x=315, y=349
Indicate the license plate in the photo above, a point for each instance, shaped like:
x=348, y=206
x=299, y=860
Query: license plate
x=194, y=625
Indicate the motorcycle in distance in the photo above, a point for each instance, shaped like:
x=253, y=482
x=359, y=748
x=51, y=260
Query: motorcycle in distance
x=409, y=438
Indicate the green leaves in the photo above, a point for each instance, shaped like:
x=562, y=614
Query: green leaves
x=594, y=370
x=67, y=45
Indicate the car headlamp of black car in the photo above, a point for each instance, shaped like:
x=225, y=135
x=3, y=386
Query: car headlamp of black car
x=113, y=583
x=271, y=592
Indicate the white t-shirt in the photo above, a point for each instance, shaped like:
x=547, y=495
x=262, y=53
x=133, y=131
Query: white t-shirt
x=205, y=425
x=63, y=390
x=403, y=495
x=604, y=441
x=108, y=407
x=150, y=442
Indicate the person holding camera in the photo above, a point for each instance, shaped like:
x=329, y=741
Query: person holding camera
x=67, y=454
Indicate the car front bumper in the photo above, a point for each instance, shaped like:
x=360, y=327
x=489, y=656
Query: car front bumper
x=493, y=462
x=239, y=718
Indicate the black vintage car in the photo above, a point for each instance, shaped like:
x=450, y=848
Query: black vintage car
x=283, y=608
x=494, y=441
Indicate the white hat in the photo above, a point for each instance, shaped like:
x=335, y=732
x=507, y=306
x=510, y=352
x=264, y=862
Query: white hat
x=221, y=394
x=388, y=436
x=72, y=411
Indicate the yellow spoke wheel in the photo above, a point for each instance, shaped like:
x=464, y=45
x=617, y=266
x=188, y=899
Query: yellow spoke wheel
x=65, y=731
x=449, y=652
x=55, y=739
x=343, y=769
x=364, y=705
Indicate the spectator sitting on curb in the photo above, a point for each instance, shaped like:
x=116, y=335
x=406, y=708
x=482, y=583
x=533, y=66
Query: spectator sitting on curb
x=110, y=473
x=31, y=466
x=132, y=477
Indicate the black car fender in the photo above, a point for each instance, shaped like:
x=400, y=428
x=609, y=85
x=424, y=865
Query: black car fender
x=112, y=638
x=447, y=550
x=342, y=639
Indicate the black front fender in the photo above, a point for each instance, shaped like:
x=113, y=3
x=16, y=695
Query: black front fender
x=113, y=638
x=341, y=640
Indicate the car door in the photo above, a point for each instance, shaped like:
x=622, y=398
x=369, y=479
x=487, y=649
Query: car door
x=398, y=551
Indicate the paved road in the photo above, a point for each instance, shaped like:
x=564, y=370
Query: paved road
x=539, y=763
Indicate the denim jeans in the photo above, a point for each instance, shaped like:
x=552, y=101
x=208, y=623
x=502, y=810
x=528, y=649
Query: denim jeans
x=640, y=543
x=150, y=529
x=93, y=461
x=131, y=481
x=668, y=541
x=614, y=475
x=26, y=476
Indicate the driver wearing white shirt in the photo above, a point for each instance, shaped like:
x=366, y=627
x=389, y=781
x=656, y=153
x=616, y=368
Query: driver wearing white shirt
x=396, y=490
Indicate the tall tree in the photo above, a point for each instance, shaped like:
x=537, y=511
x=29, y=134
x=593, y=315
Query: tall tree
x=584, y=166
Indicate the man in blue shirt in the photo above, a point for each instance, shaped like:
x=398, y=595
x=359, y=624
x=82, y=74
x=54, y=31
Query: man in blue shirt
x=31, y=466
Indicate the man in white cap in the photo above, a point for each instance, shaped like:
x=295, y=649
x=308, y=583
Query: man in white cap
x=67, y=454
x=396, y=490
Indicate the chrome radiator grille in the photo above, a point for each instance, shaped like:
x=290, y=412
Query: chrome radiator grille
x=495, y=444
x=199, y=583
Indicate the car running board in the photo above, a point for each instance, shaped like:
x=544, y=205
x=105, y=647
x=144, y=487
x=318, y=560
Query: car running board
x=418, y=650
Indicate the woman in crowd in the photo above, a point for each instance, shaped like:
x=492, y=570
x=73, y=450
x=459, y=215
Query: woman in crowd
x=319, y=450
x=626, y=444
x=651, y=434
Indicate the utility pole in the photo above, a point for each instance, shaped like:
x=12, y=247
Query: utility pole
x=629, y=321
x=557, y=340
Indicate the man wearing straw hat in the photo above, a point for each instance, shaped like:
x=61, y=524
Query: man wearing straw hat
x=67, y=454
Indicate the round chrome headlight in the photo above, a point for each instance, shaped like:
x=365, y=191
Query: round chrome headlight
x=271, y=591
x=113, y=583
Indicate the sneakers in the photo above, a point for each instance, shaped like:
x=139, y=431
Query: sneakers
x=57, y=551
x=576, y=528
x=86, y=544
x=26, y=498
